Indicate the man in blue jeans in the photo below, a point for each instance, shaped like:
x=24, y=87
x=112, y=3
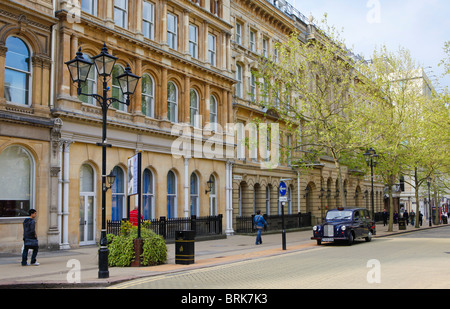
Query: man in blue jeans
x=30, y=239
x=260, y=223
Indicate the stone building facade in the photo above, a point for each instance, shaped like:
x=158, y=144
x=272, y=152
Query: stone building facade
x=196, y=59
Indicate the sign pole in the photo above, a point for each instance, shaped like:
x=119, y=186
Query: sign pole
x=283, y=198
x=283, y=233
x=139, y=186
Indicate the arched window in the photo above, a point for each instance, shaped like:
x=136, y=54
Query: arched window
x=87, y=205
x=212, y=197
x=16, y=182
x=17, y=72
x=172, y=102
x=194, y=108
x=118, y=195
x=148, y=105
x=116, y=91
x=148, y=194
x=213, y=112
x=171, y=195
x=194, y=195
x=90, y=85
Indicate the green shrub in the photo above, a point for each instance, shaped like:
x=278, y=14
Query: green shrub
x=121, y=251
x=154, y=250
x=121, y=248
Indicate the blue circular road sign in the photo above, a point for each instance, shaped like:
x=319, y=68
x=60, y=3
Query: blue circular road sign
x=282, y=188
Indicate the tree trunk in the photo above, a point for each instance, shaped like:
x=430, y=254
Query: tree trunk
x=341, y=185
x=416, y=188
x=391, y=206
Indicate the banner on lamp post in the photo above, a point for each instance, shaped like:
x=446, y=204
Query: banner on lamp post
x=134, y=174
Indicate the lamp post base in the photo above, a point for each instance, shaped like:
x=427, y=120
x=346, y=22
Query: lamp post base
x=103, y=272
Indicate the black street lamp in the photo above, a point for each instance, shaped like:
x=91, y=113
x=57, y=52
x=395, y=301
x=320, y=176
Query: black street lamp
x=429, y=200
x=79, y=69
x=371, y=160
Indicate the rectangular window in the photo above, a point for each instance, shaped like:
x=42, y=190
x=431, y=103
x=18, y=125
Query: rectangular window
x=89, y=6
x=238, y=33
x=252, y=41
x=121, y=13
x=193, y=41
x=239, y=89
x=172, y=25
x=289, y=149
x=212, y=49
x=253, y=87
x=148, y=17
x=265, y=45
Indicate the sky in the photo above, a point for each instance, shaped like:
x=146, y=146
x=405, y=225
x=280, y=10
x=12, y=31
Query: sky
x=421, y=26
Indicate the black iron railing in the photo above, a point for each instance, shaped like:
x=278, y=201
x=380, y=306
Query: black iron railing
x=203, y=226
x=292, y=221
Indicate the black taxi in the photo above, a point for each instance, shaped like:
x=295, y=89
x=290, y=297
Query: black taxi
x=345, y=225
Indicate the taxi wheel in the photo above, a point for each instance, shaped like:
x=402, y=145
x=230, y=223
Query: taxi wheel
x=319, y=242
x=350, y=239
x=369, y=236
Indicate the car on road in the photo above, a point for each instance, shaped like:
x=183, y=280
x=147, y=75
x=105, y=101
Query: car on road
x=345, y=225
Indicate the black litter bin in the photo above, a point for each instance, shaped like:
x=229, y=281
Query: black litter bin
x=184, y=247
x=402, y=224
x=444, y=219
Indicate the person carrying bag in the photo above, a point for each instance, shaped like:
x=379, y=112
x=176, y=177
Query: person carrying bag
x=260, y=223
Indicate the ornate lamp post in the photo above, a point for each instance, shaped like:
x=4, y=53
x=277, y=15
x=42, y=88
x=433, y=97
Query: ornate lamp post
x=79, y=69
x=371, y=160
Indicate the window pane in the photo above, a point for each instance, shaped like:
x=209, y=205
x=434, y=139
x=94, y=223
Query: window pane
x=171, y=183
x=16, y=86
x=172, y=31
x=18, y=55
x=148, y=19
x=147, y=96
x=193, y=41
x=194, y=184
x=87, y=179
x=118, y=195
x=172, y=102
x=121, y=4
x=89, y=6
x=15, y=182
x=116, y=91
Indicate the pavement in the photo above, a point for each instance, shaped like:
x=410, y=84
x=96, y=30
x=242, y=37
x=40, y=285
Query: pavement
x=78, y=267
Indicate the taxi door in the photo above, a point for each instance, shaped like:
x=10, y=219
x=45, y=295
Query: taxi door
x=365, y=222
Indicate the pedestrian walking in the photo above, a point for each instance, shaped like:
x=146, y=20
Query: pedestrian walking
x=420, y=218
x=406, y=216
x=395, y=217
x=30, y=240
x=260, y=223
x=412, y=215
x=385, y=217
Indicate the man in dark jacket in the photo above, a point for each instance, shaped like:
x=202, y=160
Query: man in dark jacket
x=30, y=239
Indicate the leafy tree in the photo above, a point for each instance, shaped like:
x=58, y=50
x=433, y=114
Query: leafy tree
x=315, y=89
